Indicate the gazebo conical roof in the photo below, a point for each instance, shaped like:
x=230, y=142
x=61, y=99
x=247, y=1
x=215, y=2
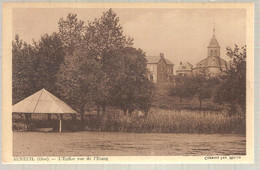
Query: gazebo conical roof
x=42, y=102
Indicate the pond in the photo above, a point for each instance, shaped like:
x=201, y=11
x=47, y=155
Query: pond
x=126, y=144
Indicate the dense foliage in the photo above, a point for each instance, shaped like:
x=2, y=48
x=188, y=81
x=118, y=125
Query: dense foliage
x=87, y=66
x=228, y=88
x=232, y=88
x=35, y=66
x=182, y=88
x=95, y=66
x=199, y=85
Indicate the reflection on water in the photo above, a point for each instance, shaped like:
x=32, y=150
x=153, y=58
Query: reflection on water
x=126, y=144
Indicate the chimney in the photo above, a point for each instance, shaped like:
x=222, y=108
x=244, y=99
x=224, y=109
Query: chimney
x=161, y=55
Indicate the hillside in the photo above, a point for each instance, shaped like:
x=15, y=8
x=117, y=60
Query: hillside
x=163, y=100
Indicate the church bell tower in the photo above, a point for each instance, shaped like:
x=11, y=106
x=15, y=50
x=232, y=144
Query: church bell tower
x=213, y=48
x=214, y=52
x=213, y=64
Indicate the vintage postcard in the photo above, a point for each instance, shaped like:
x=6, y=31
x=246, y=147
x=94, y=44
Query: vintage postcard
x=128, y=83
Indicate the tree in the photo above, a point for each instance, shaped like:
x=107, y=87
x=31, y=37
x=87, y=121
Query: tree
x=232, y=88
x=182, y=88
x=71, y=31
x=104, y=39
x=23, y=74
x=145, y=95
x=105, y=34
x=107, y=71
x=202, y=86
x=78, y=79
x=50, y=55
x=35, y=66
x=131, y=87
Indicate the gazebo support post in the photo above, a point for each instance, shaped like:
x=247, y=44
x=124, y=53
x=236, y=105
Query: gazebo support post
x=26, y=121
x=27, y=116
x=60, y=126
x=60, y=118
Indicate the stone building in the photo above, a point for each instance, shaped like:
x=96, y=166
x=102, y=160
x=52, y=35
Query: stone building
x=213, y=64
x=184, y=68
x=160, y=69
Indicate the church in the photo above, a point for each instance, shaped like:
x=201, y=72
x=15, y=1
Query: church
x=213, y=64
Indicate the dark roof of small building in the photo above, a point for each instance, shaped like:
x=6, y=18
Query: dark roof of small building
x=185, y=66
x=156, y=59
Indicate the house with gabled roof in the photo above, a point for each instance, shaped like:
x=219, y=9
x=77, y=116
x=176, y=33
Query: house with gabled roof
x=160, y=69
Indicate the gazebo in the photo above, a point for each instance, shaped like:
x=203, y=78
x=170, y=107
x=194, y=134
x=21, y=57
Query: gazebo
x=45, y=103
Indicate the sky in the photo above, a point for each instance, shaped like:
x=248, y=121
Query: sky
x=181, y=34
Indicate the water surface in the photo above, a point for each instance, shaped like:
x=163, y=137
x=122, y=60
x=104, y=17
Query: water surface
x=126, y=144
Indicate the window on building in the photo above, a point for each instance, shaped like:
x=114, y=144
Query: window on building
x=211, y=52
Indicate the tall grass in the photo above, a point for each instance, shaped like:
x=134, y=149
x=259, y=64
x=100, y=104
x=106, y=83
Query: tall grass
x=168, y=121
x=157, y=121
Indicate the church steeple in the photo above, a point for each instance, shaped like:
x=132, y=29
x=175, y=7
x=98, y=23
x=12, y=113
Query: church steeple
x=213, y=48
x=213, y=64
x=214, y=29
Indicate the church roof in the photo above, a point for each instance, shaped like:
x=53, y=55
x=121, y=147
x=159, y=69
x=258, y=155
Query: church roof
x=223, y=63
x=214, y=42
x=156, y=59
x=204, y=63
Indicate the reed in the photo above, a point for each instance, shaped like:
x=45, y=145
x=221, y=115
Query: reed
x=170, y=121
x=157, y=121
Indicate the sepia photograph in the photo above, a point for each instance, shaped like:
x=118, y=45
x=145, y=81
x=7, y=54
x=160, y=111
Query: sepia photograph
x=123, y=81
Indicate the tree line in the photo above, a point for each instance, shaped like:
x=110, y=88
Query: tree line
x=85, y=64
x=228, y=88
x=94, y=65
